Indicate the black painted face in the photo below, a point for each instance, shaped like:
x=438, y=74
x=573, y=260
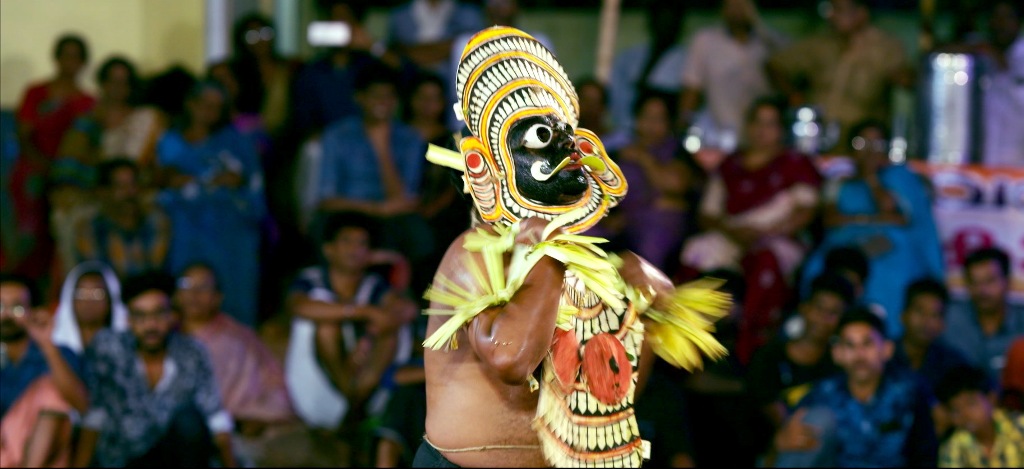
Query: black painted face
x=546, y=140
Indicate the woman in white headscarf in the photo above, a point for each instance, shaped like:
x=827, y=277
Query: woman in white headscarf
x=89, y=301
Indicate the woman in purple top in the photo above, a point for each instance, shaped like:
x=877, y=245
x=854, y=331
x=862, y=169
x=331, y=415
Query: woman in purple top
x=664, y=183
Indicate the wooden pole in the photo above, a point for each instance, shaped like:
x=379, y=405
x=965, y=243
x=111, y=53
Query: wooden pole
x=610, y=10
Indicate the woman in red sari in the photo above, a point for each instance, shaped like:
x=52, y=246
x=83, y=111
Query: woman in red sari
x=755, y=208
x=47, y=111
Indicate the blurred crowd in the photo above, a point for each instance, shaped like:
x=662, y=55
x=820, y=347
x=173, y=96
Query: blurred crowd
x=228, y=269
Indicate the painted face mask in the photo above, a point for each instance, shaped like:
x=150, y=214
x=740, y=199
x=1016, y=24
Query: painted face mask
x=525, y=156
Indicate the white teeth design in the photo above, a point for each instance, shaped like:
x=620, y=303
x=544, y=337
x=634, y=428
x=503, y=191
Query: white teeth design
x=613, y=322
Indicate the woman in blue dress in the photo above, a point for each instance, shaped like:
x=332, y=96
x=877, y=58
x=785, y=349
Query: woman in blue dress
x=213, y=193
x=886, y=211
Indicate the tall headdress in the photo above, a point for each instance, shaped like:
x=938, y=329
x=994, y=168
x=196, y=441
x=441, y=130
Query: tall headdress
x=504, y=76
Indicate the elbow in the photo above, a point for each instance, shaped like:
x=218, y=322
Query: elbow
x=513, y=369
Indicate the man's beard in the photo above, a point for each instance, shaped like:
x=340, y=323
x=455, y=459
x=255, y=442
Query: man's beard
x=11, y=331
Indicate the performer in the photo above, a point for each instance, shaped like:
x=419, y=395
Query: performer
x=535, y=333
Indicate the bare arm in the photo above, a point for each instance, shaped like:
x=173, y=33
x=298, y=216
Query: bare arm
x=799, y=220
x=512, y=339
x=689, y=102
x=322, y=311
x=40, y=328
x=223, y=443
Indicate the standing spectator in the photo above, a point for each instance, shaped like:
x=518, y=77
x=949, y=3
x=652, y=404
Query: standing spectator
x=264, y=78
x=1003, y=106
x=1013, y=377
x=126, y=234
x=983, y=327
x=850, y=71
x=424, y=30
x=349, y=332
x=666, y=185
x=249, y=376
x=39, y=382
x=46, y=113
x=783, y=371
x=754, y=210
x=90, y=301
x=324, y=90
x=886, y=211
x=922, y=348
x=442, y=204
x=870, y=415
x=153, y=399
x=986, y=435
x=656, y=65
x=725, y=67
x=214, y=197
x=374, y=164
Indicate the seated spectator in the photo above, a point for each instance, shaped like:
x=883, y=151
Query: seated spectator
x=1013, y=377
x=665, y=186
x=886, y=211
x=90, y=301
x=725, y=68
x=783, y=371
x=126, y=234
x=213, y=194
x=323, y=91
x=655, y=65
x=39, y=382
x=153, y=397
x=117, y=127
x=986, y=435
x=373, y=164
x=754, y=210
x=983, y=327
x=922, y=348
x=850, y=71
x=349, y=332
x=249, y=376
x=424, y=30
x=265, y=77
x=871, y=415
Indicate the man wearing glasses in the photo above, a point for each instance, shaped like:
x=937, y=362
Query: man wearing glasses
x=39, y=382
x=153, y=398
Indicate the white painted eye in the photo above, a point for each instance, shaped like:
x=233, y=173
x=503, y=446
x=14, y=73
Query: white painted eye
x=537, y=136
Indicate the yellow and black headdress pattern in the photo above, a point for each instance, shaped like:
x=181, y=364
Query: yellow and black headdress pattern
x=506, y=75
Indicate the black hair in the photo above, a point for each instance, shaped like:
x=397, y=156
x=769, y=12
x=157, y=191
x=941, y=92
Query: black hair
x=204, y=266
x=862, y=315
x=926, y=286
x=989, y=254
x=849, y=258
x=197, y=90
x=34, y=297
x=239, y=29
x=105, y=171
x=1015, y=5
x=646, y=95
x=831, y=282
x=69, y=39
x=424, y=78
x=662, y=18
x=373, y=74
x=870, y=123
x=337, y=221
x=591, y=81
x=359, y=8
x=960, y=379
x=734, y=284
x=770, y=101
x=167, y=91
x=139, y=284
x=103, y=73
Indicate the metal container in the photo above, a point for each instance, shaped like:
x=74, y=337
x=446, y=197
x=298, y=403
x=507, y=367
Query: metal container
x=950, y=108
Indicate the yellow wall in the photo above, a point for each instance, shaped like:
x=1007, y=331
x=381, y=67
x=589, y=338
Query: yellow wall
x=152, y=33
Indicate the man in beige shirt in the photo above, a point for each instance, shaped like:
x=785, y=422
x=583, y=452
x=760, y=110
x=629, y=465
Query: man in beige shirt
x=725, y=66
x=849, y=72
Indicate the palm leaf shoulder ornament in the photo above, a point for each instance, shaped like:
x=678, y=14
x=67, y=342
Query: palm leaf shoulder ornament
x=525, y=157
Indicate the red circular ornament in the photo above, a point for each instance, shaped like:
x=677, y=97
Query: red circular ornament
x=606, y=368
